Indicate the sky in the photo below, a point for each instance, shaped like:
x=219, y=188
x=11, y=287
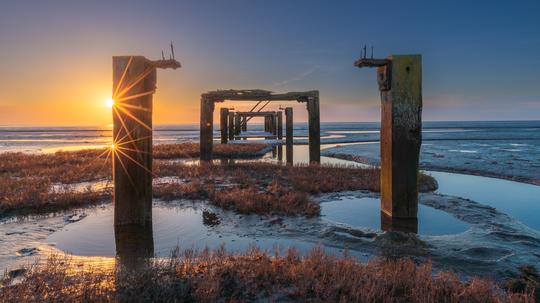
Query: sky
x=481, y=59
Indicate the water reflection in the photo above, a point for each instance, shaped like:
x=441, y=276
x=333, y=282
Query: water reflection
x=134, y=245
x=365, y=212
x=389, y=223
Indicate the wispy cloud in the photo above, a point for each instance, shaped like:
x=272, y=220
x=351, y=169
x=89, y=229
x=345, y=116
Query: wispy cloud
x=299, y=77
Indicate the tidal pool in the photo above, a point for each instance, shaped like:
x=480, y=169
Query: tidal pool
x=366, y=212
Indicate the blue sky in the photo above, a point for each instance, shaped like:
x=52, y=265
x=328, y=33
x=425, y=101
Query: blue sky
x=480, y=58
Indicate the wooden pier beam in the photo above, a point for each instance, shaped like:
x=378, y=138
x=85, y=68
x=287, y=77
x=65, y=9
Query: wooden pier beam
x=206, y=129
x=289, y=135
x=231, y=125
x=224, y=119
x=314, y=125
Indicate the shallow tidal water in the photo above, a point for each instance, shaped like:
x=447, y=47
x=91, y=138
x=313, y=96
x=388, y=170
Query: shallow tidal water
x=472, y=225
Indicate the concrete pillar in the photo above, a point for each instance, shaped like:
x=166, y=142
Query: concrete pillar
x=134, y=80
x=289, y=135
x=401, y=125
x=231, y=126
x=314, y=125
x=206, y=129
x=280, y=125
x=224, y=118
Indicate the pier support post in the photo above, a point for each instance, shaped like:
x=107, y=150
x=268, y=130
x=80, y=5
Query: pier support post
x=244, y=124
x=134, y=83
x=274, y=125
x=400, y=83
x=132, y=135
x=206, y=129
x=231, y=125
x=237, y=124
x=280, y=125
x=224, y=118
x=401, y=137
x=289, y=135
x=314, y=125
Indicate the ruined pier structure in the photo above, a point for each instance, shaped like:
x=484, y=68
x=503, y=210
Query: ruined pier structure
x=232, y=124
x=400, y=82
x=134, y=82
x=273, y=124
x=208, y=100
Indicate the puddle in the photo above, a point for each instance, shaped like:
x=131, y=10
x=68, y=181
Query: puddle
x=519, y=200
x=365, y=212
x=173, y=225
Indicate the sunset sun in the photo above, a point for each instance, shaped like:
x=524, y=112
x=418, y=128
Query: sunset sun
x=109, y=102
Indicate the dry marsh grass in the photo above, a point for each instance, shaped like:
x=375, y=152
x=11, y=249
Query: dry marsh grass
x=250, y=187
x=191, y=150
x=255, y=275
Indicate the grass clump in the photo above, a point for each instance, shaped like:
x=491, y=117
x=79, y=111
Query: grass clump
x=192, y=150
x=26, y=181
x=255, y=275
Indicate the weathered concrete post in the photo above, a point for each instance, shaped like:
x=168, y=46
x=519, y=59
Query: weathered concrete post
x=224, y=118
x=280, y=125
x=314, y=125
x=134, y=82
x=206, y=129
x=400, y=83
x=289, y=135
x=231, y=126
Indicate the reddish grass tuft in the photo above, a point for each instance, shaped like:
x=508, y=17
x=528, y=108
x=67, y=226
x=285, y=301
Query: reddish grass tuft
x=217, y=276
x=192, y=150
x=252, y=187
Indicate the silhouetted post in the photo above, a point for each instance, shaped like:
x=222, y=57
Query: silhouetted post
x=244, y=124
x=237, y=124
x=224, y=118
x=314, y=125
x=273, y=121
x=206, y=129
x=231, y=126
x=289, y=135
x=400, y=82
x=280, y=125
x=134, y=82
